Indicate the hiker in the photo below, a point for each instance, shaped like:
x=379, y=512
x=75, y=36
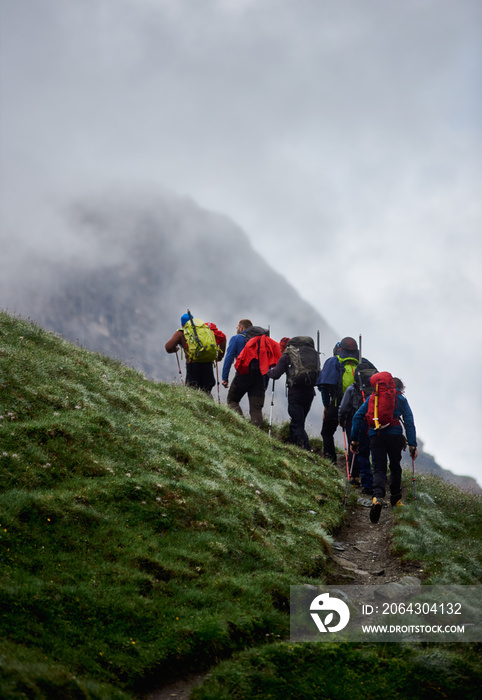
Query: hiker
x=282, y=344
x=252, y=363
x=301, y=364
x=236, y=344
x=353, y=398
x=337, y=374
x=201, y=349
x=382, y=413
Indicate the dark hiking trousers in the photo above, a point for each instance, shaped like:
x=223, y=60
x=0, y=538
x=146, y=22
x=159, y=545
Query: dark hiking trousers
x=299, y=404
x=387, y=447
x=254, y=385
x=361, y=467
x=328, y=430
x=200, y=375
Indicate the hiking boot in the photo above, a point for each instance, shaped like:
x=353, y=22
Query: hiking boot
x=398, y=503
x=355, y=482
x=376, y=509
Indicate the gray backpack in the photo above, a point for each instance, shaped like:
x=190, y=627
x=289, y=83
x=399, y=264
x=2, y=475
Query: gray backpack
x=304, y=362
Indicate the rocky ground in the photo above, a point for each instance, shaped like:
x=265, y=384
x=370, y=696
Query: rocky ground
x=180, y=690
x=363, y=551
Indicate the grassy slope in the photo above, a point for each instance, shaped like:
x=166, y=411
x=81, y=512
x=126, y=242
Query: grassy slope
x=445, y=535
x=143, y=527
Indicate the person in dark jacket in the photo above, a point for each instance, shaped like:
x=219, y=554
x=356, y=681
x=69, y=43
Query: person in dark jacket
x=386, y=444
x=300, y=398
x=330, y=385
x=353, y=398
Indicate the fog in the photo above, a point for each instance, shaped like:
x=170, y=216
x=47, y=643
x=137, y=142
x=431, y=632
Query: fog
x=342, y=136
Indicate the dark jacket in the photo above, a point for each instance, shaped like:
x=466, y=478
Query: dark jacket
x=282, y=367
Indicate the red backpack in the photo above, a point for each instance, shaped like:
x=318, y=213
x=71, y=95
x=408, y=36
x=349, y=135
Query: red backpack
x=382, y=401
x=219, y=335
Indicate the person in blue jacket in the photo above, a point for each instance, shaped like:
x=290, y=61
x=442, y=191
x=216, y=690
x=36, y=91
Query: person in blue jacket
x=353, y=398
x=330, y=384
x=235, y=345
x=253, y=384
x=386, y=444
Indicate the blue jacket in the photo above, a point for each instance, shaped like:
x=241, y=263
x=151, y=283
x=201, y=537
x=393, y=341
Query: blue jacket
x=402, y=411
x=236, y=344
x=328, y=381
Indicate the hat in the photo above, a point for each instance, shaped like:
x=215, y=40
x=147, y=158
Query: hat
x=184, y=319
x=348, y=344
x=283, y=343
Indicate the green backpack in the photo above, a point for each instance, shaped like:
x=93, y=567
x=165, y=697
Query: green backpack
x=347, y=373
x=201, y=341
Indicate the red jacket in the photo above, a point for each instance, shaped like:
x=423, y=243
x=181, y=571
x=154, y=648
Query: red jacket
x=262, y=348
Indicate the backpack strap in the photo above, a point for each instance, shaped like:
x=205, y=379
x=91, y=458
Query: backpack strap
x=194, y=328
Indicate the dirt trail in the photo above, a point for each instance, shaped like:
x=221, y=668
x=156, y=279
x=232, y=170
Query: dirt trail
x=362, y=555
x=179, y=690
x=362, y=550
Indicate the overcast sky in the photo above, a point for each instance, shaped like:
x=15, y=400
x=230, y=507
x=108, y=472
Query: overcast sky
x=344, y=137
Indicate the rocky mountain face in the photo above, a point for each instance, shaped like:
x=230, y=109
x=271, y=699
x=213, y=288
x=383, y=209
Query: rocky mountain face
x=140, y=264
x=130, y=267
x=426, y=463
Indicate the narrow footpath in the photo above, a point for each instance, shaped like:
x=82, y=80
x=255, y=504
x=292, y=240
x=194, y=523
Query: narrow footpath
x=362, y=554
x=363, y=550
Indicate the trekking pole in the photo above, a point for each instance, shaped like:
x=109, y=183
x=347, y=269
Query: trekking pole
x=195, y=332
x=271, y=410
x=352, y=464
x=413, y=482
x=179, y=366
x=347, y=470
x=359, y=376
x=217, y=379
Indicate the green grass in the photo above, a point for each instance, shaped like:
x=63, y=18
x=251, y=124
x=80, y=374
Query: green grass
x=340, y=671
x=444, y=531
x=444, y=535
x=145, y=530
x=143, y=527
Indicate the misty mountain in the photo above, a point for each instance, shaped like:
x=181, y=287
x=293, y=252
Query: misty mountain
x=139, y=263
x=114, y=273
